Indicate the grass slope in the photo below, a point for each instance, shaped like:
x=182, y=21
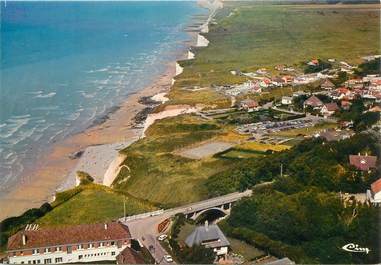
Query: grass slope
x=158, y=175
x=93, y=204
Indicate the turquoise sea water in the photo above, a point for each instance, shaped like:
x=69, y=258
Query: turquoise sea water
x=63, y=64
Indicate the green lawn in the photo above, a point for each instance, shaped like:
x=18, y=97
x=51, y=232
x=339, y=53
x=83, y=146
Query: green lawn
x=249, y=252
x=93, y=204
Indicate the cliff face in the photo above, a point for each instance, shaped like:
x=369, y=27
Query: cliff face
x=190, y=55
x=179, y=69
x=202, y=41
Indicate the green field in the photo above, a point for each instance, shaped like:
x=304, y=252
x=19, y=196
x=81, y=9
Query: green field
x=249, y=36
x=94, y=204
x=158, y=174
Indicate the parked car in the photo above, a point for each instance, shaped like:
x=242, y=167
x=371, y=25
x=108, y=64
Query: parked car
x=168, y=258
x=162, y=237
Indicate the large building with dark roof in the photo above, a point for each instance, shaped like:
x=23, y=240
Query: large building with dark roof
x=209, y=236
x=69, y=244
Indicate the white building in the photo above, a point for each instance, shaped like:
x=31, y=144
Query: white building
x=286, y=100
x=70, y=244
x=209, y=236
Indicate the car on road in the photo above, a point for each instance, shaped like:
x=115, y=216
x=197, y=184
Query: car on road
x=168, y=258
x=162, y=237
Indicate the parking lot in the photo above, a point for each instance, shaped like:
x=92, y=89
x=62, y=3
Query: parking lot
x=267, y=127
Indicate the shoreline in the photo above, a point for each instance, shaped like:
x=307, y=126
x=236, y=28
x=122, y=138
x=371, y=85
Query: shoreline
x=39, y=186
x=117, y=128
x=120, y=127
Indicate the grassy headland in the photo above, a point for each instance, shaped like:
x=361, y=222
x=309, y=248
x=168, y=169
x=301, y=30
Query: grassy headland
x=248, y=36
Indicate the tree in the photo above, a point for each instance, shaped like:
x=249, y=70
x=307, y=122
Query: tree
x=197, y=255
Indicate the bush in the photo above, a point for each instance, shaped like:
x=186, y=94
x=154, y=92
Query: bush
x=11, y=225
x=275, y=248
x=84, y=178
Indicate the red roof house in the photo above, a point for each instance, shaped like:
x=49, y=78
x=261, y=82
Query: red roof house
x=363, y=163
x=313, y=101
x=129, y=256
x=329, y=108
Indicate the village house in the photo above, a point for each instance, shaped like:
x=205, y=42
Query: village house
x=334, y=135
x=286, y=100
x=129, y=256
x=313, y=62
x=265, y=83
x=313, y=102
x=209, y=236
x=342, y=93
x=305, y=79
x=277, y=81
x=298, y=94
x=249, y=105
x=363, y=162
x=374, y=194
x=288, y=79
x=70, y=244
x=327, y=85
x=345, y=104
x=329, y=109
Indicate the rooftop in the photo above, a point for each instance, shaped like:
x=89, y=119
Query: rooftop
x=376, y=186
x=363, y=162
x=209, y=235
x=57, y=236
x=129, y=256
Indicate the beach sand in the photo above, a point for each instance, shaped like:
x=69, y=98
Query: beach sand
x=52, y=171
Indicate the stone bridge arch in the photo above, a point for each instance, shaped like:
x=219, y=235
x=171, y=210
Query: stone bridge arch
x=224, y=208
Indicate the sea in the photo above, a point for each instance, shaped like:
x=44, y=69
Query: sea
x=65, y=64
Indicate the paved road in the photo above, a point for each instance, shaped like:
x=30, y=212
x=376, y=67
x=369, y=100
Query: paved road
x=156, y=250
x=146, y=227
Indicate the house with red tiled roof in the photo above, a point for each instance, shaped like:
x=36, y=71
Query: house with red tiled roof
x=329, y=109
x=68, y=244
x=345, y=104
x=343, y=92
x=313, y=102
x=374, y=194
x=248, y=104
x=363, y=162
x=327, y=85
x=129, y=256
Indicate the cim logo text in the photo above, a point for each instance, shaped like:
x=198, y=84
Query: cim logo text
x=351, y=247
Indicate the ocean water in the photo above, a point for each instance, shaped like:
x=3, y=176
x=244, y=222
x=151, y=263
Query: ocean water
x=63, y=64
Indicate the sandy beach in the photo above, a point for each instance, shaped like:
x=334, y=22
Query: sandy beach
x=98, y=145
